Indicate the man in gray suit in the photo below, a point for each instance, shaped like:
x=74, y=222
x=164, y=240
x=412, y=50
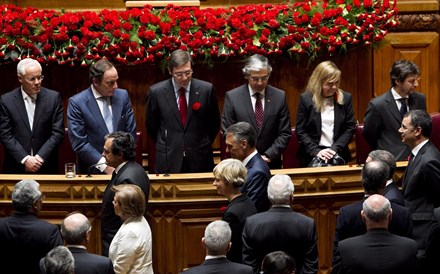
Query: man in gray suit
x=385, y=113
x=31, y=123
x=182, y=119
x=217, y=242
x=272, y=121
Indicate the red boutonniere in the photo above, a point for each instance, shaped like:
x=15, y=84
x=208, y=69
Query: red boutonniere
x=223, y=209
x=196, y=106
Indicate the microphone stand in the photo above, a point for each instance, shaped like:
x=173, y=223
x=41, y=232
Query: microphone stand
x=166, y=154
x=89, y=171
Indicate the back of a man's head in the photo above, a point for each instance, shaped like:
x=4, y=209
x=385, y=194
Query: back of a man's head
x=24, y=195
x=280, y=189
x=374, y=176
x=217, y=238
x=59, y=261
x=243, y=131
x=384, y=156
x=376, y=211
x=74, y=229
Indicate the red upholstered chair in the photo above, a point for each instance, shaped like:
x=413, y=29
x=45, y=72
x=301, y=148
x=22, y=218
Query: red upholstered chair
x=65, y=152
x=139, y=147
x=435, y=134
x=290, y=159
x=362, y=146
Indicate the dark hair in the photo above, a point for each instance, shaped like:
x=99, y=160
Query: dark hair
x=420, y=118
x=98, y=69
x=278, y=262
x=385, y=156
x=374, y=175
x=243, y=131
x=178, y=58
x=402, y=69
x=123, y=143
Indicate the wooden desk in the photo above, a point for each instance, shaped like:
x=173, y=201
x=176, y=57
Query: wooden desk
x=181, y=205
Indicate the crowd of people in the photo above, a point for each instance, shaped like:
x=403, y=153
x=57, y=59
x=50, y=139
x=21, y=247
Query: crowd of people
x=391, y=230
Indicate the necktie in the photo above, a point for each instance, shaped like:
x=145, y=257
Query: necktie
x=403, y=107
x=107, y=114
x=408, y=169
x=30, y=109
x=183, y=108
x=258, y=110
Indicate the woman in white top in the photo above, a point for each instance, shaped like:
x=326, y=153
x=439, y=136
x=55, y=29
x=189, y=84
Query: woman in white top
x=324, y=120
x=131, y=248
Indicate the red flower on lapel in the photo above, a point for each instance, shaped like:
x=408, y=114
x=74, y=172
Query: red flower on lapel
x=196, y=106
x=223, y=209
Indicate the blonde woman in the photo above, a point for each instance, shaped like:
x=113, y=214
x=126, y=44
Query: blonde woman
x=131, y=248
x=324, y=120
x=229, y=176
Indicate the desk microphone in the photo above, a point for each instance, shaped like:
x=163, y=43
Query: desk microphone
x=90, y=169
x=166, y=154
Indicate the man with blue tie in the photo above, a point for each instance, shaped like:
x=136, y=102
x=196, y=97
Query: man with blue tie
x=96, y=111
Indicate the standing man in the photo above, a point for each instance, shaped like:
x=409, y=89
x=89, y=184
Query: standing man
x=263, y=106
x=96, y=111
x=384, y=114
x=31, y=123
x=119, y=153
x=24, y=238
x=421, y=182
x=240, y=144
x=183, y=119
x=376, y=251
x=281, y=229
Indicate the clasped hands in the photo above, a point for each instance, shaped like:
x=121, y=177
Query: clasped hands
x=33, y=163
x=326, y=154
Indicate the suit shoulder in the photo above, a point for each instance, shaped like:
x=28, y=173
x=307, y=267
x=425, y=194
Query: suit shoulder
x=50, y=92
x=237, y=90
x=275, y=90
x=201, y=82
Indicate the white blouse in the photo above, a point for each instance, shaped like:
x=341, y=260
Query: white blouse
x=327, y=123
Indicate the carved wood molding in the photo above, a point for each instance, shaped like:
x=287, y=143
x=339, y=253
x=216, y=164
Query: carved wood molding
x=418, y=22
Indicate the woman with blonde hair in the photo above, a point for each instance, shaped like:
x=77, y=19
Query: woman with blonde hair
x=229, y=176
x=324, y=120
x=131, y=248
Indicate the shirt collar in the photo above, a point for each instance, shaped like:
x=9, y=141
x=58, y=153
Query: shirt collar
x=249, y=157
x=176, y=87
x=96, y=94
x=418, y=147
x=252, y=92
x=209, y=257
x=25, y=95
x=396, y=95
x=119, y=167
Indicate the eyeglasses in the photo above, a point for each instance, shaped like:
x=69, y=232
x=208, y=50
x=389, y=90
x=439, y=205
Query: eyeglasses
x=34, y=78
x=183, y=73
x=257, y=79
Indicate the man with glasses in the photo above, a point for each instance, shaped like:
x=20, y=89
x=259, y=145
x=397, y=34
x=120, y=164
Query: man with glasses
x=182, y=119
x=24, y=237
x=263, y=106
x=31, y=123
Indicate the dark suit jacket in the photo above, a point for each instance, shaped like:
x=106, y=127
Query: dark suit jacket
x=87, y=126
x=308, y=128
x=421, y=191
x=378, y=251
x=382, y=122
x=86, y=263
x=433, y=245
x=219, y=266
x=349, y=222
x=236, y=213
x=256, y=182
x=172, y=138
x=275, y=132
x=44, y=138
x=281, y=229
x=24, y=240
x=393, y=194
x=130, y=173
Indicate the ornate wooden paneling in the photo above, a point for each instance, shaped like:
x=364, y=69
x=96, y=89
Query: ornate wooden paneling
x=420, y=47
x=181, y=205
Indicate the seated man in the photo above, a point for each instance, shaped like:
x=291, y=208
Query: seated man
x=24, y=238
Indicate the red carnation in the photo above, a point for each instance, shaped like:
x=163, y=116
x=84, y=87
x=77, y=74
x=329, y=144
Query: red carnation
x=196, y=106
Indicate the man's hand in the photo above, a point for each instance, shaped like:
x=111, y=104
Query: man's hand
x=109, y=170
x=33, y=163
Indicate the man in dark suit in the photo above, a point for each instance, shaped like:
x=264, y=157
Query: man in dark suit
x=96, y=111
x=217, y=242
x=384, y=114
x=241, y=105
x=433, y=245
x=75, y=230
x=391, y=192
x=24, y=238
x=421, y=182
x=281, y=229
x=349, y=222
x=31, y=123
x=240, y=144
x=58, y=261
x=182, y=119
x=119, y=153
x=378, y=250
